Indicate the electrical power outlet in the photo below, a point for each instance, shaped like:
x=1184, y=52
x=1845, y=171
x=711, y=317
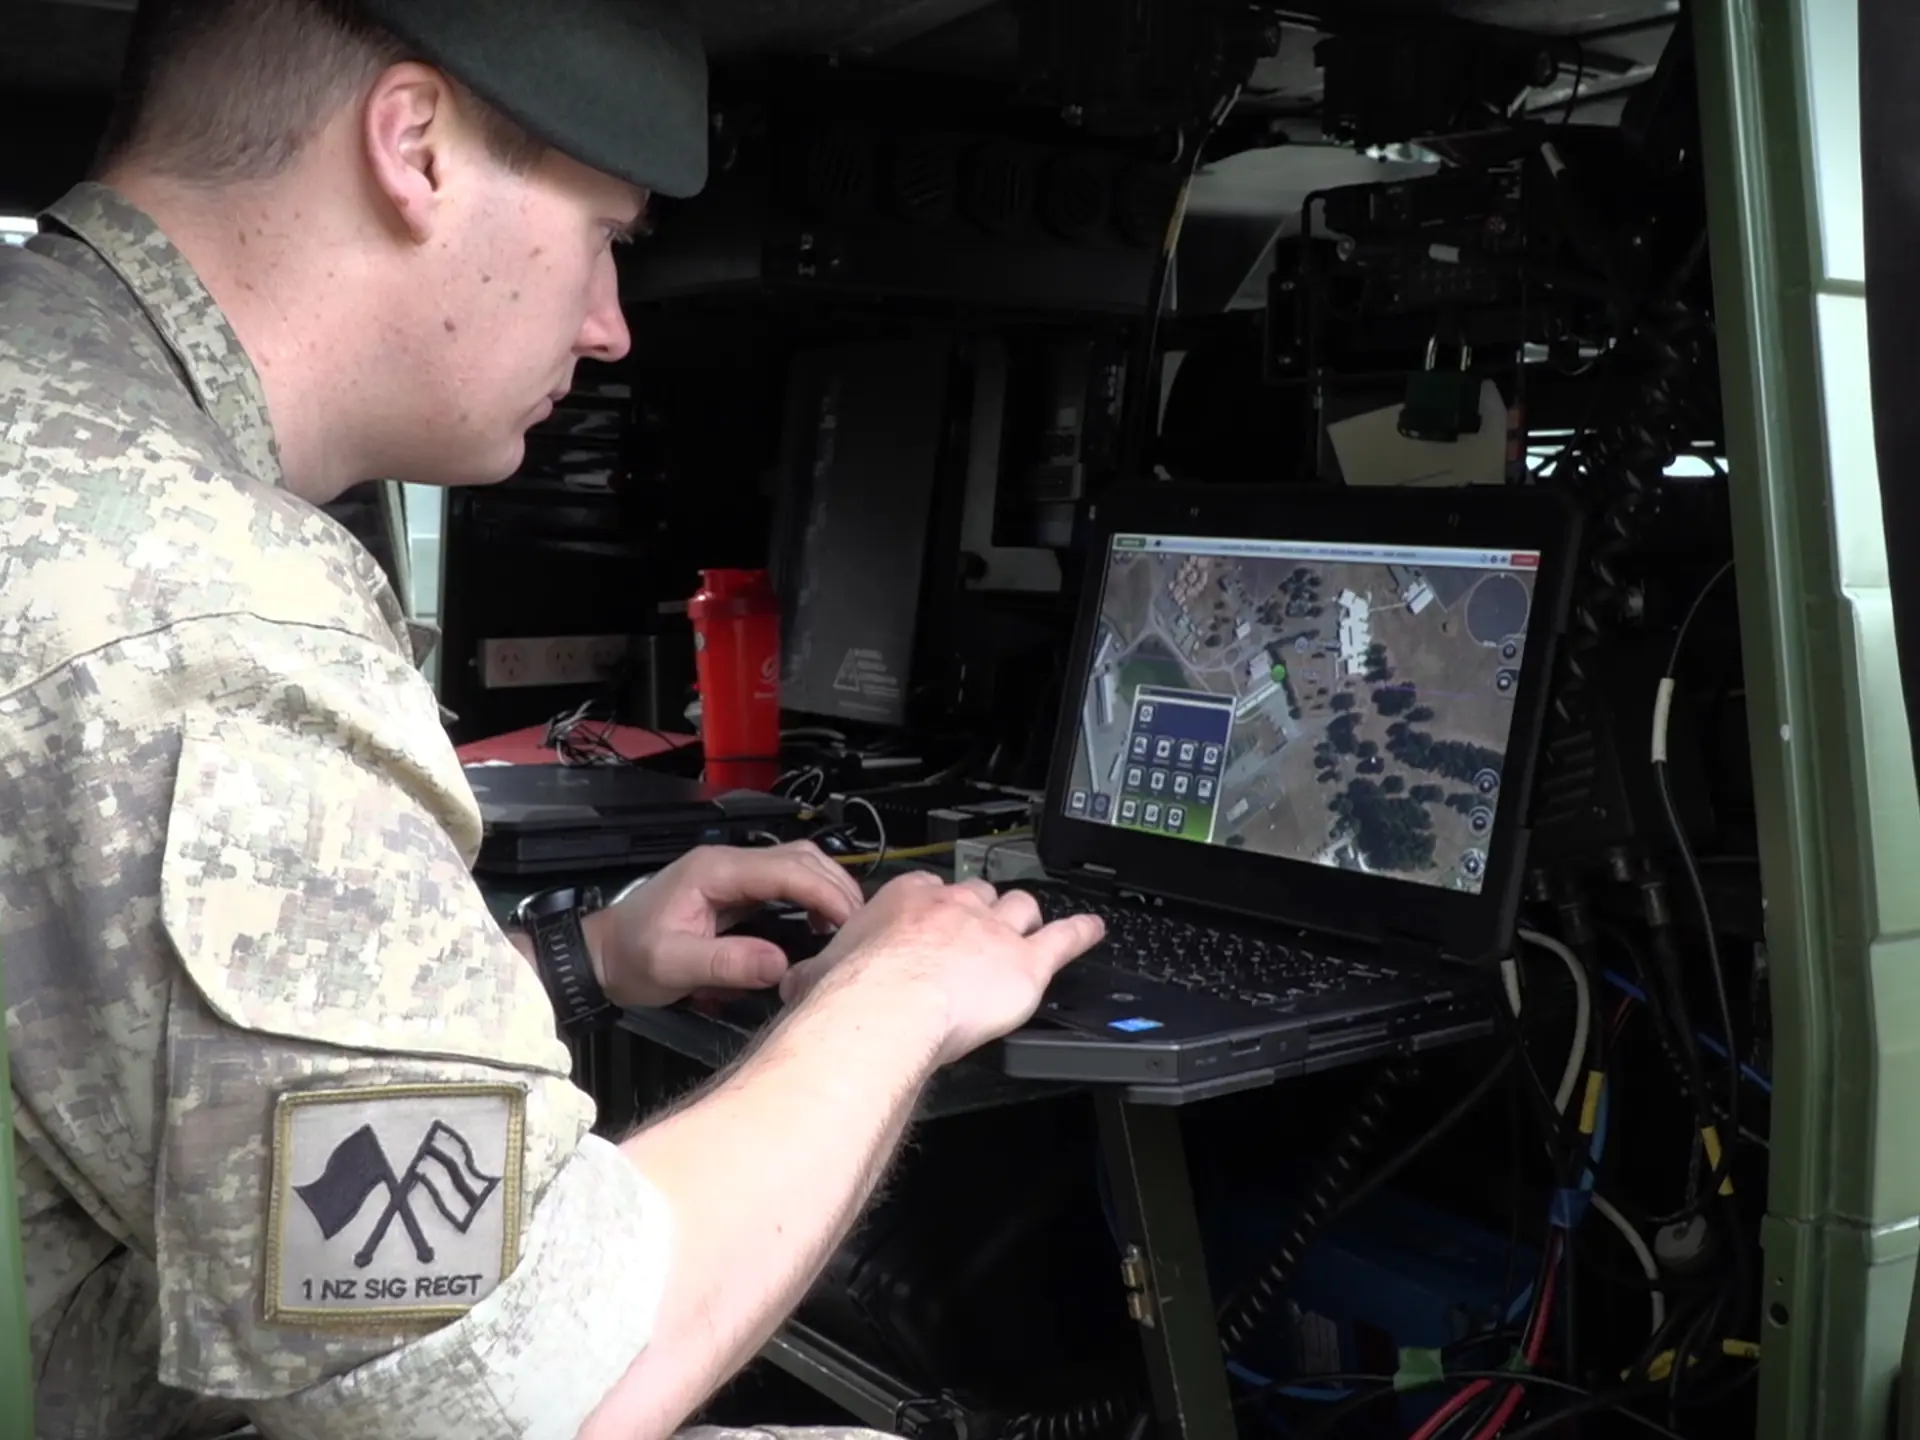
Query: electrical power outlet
x=503, y=664
x=567, y=663
x=523, y=663
x=605, y=654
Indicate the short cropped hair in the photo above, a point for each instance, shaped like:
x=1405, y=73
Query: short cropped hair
x=227, y=91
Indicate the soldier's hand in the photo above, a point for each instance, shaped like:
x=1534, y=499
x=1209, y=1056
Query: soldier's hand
x=667, y=939
x=987, y=956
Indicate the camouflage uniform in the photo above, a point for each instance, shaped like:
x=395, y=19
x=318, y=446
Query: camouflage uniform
x=297, y=1139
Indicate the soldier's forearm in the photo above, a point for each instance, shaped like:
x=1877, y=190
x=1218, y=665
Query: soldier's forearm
x=765, y=1175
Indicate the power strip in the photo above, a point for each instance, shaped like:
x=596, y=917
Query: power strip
x=519, y=664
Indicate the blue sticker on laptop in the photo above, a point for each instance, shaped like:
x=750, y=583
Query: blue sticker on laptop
x=1135, y=1025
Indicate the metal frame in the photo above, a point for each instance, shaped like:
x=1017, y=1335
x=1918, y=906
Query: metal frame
x=1165, y=1268
x=1164, y=1263
x=1832, y=767
x=862, y=1389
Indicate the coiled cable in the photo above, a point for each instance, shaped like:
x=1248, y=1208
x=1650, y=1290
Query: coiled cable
x=1240, y=1318
x=1620, y=468
x=1080, y=1421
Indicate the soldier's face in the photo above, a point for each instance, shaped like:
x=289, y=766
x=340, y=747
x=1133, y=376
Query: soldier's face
x=530, y=290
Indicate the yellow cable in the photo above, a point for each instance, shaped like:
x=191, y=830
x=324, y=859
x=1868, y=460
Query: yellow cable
x=925, y=852
x=1711, y=1135
x=1662, y=1365
x=1590, y=1106
x=911, y=852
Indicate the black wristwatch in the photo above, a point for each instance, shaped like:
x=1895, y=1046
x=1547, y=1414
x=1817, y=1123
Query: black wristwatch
x=552, y=919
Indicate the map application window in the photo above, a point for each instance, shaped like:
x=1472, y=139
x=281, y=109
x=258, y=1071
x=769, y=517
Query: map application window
x=1345, y=705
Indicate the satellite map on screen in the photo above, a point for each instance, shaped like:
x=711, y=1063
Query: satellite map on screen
x=1348, y=706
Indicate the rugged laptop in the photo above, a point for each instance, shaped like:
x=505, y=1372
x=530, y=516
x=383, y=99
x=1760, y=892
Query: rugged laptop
x=1293, y=776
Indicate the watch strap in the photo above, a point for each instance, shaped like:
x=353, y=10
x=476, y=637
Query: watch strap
x=553, y=921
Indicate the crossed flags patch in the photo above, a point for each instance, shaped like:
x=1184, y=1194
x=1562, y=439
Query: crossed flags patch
x=399, y=1203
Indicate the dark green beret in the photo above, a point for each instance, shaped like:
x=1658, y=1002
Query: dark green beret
x=619, y=85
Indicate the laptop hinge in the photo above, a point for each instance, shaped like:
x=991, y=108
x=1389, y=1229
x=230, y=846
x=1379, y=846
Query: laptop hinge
x=1095, y=877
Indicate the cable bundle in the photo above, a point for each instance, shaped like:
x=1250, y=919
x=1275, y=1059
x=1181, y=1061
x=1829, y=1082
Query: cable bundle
x=1621, y=465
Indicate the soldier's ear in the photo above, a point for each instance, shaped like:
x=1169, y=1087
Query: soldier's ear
x=408, y=127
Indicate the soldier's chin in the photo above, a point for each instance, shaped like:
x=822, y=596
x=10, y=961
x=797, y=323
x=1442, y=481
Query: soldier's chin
x=502, y=465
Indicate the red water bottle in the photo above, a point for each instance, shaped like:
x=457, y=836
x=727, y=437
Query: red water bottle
x=736, y=645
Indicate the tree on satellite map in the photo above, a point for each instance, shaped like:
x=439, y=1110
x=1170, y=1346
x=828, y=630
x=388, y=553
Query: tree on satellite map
x=1455, y=759
x=1340, y=732
x=1393, y=700
x=1394, y=833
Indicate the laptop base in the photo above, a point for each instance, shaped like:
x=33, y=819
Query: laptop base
x=1102, y=1024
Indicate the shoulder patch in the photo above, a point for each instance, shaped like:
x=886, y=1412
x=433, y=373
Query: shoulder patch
x=395, y=1204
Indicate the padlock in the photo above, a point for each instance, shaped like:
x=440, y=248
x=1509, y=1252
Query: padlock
x=1441, y=404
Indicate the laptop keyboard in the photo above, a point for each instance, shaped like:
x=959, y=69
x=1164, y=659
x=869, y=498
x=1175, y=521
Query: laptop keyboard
x=1227, y=963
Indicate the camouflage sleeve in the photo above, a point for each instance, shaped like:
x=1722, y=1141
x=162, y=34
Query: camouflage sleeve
x=379, y=1206
x=531, y=1360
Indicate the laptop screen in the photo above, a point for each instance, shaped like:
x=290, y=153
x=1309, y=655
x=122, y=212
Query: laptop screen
x=1347, y=705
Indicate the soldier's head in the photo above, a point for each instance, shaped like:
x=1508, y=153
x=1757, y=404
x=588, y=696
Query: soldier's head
x=428, y=189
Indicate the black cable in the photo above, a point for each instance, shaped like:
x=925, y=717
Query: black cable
x=1566, y=1148
x=1697, y=1318
x=1600, y=1403
x=584, y=736
x=1515, y=1187
x=1744, y=1375
x=1433, y=1134
x=1579, y=78
x=1693, y=612
x=1328, y=1199
x=1680, y=1313
x=1691, y=866
x=1683, y=1354
x=1472, y=1418
x=1675, y=1033
x=1242, y=1314
x=1078, y=1422
x=1139, y=404
x=1675, y=1038
x=1617, y=460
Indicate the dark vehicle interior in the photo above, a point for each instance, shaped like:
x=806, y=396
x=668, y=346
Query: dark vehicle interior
x=964, y=273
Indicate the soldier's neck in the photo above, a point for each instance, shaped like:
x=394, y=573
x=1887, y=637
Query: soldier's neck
x=297, y=296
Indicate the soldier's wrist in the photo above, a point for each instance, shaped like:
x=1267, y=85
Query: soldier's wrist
x=557, y=924
x=599, y=930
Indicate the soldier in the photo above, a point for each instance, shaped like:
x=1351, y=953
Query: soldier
x=298, y=1141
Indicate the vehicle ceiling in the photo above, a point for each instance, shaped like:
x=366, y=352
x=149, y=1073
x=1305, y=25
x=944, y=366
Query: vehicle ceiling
x=59, y=58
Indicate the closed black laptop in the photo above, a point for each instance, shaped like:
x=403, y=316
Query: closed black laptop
x=564, y=819
x=1293, y=774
